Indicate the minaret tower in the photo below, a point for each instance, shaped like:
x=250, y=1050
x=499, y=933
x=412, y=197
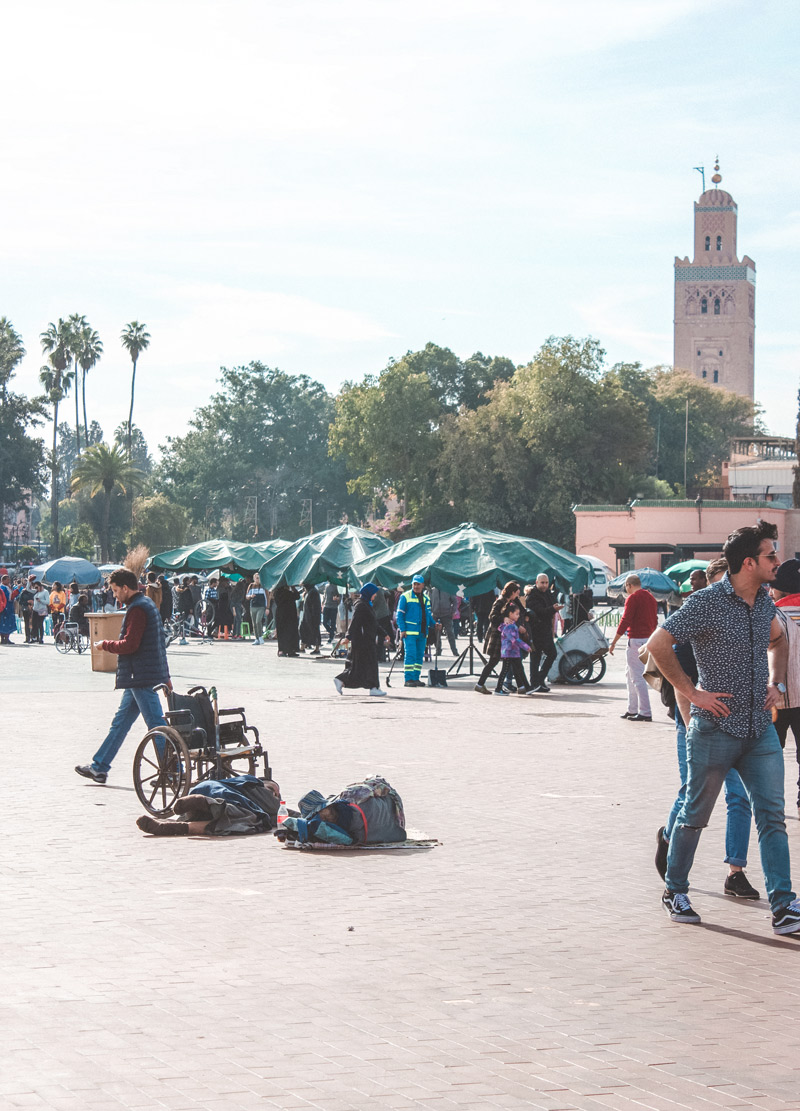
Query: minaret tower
x=715, y=298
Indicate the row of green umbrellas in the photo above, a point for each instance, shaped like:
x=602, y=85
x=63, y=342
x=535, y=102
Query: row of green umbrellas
x=467, y=560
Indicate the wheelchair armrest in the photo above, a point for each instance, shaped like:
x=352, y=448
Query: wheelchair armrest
x=252, y=729
x=235, y=710
x=179, y=718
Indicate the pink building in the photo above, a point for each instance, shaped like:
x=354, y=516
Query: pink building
x=659, y=533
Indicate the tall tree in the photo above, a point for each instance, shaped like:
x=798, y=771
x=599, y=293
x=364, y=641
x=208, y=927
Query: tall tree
x=139, y=452
x=89, y=348
x=135, y=340
x=102, y=470
x=56, y=379
x=21, y=455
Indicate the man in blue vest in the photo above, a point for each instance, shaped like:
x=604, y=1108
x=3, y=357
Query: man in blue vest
x=141, y=666
x=414, y=619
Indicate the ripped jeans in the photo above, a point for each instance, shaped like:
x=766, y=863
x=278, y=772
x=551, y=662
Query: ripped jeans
x=710, y=755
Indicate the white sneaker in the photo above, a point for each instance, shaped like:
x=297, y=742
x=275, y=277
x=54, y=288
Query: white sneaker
x=377, y=692
x=340, y=686
x=258, y=640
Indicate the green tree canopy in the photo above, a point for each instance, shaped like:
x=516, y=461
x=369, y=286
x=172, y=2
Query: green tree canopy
x=158, y=523
x=259, y=444
x=22, y=456
x=102, y=471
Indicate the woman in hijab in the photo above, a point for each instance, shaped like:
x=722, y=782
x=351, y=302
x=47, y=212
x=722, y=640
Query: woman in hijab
x=286, y=599
x=362, y=666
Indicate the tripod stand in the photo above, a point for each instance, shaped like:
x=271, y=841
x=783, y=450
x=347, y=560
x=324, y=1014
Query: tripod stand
x=471, y=650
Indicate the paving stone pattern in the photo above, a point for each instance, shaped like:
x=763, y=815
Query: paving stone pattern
x=525, y=963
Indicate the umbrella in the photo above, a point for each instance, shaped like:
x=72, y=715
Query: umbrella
x=472, y=560
x=322, y=557
x=680, y=572
x=68, y=569
x=659, y=584
x=213, y=555
x=107, y=568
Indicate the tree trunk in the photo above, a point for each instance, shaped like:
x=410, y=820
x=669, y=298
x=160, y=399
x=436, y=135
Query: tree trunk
x=105, y=539
x=85, y=422
x=54, y=485
x=130, y=414
x=77, y=414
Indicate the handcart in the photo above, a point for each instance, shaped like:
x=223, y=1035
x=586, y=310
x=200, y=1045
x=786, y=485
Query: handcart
x=580, y=655
x=196, y=744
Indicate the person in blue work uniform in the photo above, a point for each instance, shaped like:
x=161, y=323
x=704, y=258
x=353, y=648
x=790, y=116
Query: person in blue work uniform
x=414, y=619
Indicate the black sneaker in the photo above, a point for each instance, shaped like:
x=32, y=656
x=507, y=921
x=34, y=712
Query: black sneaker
x=88, y=772
x=738, y=885
x=641, y=717
x=628, y=716
x=662, y=852
x=787, y=921
x=678, y=907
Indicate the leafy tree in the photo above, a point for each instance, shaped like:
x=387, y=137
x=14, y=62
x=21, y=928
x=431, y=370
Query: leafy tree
x=22, y=460
x=139, y=451
x=559, y=432
x=78, y=540
x=56, y=380
x=68, y=451
x=716, y=417
x=456, y=383
x=262, y=436
x=385, y=431
x=135, y=340
x=158, y=523
x=27, y=554
x=102, y=470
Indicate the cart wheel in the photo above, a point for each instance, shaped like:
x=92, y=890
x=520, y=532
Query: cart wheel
x=162, y=770
x=598, y=670
x=575, y=667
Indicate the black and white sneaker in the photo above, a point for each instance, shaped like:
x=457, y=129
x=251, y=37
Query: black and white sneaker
x=678, y=907
x=88, y=772
x=787, y=921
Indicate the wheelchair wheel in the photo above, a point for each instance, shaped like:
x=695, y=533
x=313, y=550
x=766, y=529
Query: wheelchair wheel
x=162, y=770
x=62, y=641
x=575, y=667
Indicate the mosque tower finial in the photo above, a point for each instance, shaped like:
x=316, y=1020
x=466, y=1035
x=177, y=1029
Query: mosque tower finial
x=717, y=176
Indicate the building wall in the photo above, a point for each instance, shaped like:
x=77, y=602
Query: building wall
x=714, y=336
x=596, y=529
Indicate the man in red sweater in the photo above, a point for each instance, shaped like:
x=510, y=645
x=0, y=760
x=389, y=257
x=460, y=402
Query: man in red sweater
x=639, y=621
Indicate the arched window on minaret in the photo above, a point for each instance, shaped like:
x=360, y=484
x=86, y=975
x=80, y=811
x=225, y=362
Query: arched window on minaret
x=703, y=304
x=717, y=306
x=719, y=242
x=708, y=242
x=716, y=376
x=704, y=374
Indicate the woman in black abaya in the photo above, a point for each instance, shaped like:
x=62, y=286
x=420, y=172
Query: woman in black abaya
x=286, y=599
x=362, y=666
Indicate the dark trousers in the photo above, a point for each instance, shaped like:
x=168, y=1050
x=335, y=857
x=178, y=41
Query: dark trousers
x=37, y=627
x=385, y=630
x=515, y=666
x=542, y=657
x=491, y=664
x=27, y=618
x=785, y=719
x=329, y=621
x=446, y=622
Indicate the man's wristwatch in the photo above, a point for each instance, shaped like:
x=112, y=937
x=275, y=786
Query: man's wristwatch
x=780, y=686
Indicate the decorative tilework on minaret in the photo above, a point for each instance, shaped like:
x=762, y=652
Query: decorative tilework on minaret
x=715, y=298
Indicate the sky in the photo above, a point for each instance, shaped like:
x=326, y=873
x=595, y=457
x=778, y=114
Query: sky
x=323, y=185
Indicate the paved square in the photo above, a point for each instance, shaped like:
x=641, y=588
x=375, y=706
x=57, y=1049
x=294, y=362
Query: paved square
x=525, y=963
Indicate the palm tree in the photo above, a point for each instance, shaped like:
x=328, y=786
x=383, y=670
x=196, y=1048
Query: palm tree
x=75, y=325
x=89, y=349
x=135, y=339
x=56, y=380
x=57, y=342
x=102, y=469
x=11, y=353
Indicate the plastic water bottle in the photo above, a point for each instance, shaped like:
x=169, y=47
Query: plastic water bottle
x=283, y=813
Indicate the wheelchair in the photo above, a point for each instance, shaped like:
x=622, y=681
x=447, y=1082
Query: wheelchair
x=171, y=758
x=69, y=638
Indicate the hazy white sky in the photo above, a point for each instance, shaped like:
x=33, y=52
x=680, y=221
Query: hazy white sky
x=324, y=184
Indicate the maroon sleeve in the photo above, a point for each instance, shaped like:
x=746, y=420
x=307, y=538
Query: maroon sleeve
x=625, y=620
x=134, y=632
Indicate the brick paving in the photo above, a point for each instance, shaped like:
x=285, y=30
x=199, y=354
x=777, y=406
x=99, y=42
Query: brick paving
x=525, y=963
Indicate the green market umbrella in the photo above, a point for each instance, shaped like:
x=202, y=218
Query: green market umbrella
x=322, y=557
x=211, y=555
x=472, y=560
x=680, y=572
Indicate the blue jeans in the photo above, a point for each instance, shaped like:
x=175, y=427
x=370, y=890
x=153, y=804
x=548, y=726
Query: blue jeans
x=710, y=755
x=737, y=830
x=413, y=653
x=134, y=701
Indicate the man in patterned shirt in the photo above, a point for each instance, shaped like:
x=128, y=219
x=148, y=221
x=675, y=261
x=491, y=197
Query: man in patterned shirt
x=740, y=648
